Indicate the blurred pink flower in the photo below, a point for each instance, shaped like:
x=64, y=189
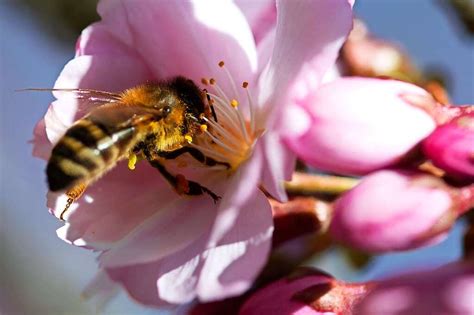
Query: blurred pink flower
x=447, y=290
x=451, y=147
x=160, y=247
x=357, y=125
x=308, y=293
x=398, y=210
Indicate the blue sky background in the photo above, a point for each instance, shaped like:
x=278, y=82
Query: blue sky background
x=40, y=274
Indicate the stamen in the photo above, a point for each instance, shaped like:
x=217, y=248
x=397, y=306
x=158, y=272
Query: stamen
x=231, y=80
x=251, y=107
x=242, y=126
x=223, y=132
x=225, y=108
x=219, y=91
x=222, y=144
x=211, y=152
x=227, y=120
x=232, y=139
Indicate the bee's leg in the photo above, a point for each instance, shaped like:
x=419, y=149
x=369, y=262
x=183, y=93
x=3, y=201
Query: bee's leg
x=181, y=184
x=195, y=153
x=73, y=194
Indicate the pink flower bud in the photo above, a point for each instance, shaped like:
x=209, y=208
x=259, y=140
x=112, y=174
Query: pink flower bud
x=358, y=125
x=451, y=147
x=395, y=210
x=447, y=290
x=309, y=292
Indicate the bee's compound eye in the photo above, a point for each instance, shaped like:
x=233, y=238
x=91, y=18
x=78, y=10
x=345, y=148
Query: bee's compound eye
x=165, y=111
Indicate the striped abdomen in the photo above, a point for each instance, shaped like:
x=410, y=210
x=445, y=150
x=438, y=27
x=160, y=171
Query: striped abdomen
x=85, y=152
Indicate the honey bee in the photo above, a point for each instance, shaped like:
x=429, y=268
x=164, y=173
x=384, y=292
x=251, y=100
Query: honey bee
x=152, y=121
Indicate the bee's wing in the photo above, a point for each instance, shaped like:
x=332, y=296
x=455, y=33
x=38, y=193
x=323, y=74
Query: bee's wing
x=87, y=99
x=95, y=97
x=118, y=116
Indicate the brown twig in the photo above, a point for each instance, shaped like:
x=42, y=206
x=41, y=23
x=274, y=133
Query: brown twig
x=308, y=184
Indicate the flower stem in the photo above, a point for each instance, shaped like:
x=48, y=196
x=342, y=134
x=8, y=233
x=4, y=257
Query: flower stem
x=306, y=184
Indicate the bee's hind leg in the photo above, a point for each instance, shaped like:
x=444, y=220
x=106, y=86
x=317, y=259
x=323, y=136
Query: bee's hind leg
x=181, y=184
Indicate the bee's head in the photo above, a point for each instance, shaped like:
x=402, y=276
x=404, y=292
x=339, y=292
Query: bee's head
x=193, y=97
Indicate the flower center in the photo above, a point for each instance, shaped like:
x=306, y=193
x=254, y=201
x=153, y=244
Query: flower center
x=229, y=136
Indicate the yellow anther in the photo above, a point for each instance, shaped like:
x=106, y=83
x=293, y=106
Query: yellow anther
x=132, y=160
x=205, y=81
x=234, y=103
x=203, y=128
x=212, y=81
x=188, y=138
x=245, y=84
x=221, y=63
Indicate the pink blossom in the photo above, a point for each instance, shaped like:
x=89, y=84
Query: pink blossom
x=160, y=247
x=309, y=292
x=398, y=210
x=447, y=290
x=451, y=147
x=357, y=125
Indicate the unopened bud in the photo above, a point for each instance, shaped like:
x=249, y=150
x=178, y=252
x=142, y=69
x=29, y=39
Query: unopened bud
x=451, y=147
x=308, y=292
x=354, y=126
x=447, y=290
x=396, y=210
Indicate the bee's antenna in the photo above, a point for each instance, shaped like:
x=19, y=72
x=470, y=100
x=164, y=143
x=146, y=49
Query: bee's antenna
x=213, y=111
x=209, y=101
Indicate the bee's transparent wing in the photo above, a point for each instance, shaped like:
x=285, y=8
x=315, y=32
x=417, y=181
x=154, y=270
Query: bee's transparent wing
x=87, y=99
x=93, y=96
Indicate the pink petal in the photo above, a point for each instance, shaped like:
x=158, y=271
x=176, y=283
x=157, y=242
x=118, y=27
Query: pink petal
x=307, y=32
x=184, y=37
x=261, y=16
x=231, y=268
x=101, y=289
x=89, y=72
x=114, y=206
x=265, y=50
x=240, y=188
x=97, y=40
x=217, y=272
x=184, y=265
x=175, y=225
x=278, y=166
x=41, y=145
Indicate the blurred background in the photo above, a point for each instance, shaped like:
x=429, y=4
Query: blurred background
x=40, y=274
